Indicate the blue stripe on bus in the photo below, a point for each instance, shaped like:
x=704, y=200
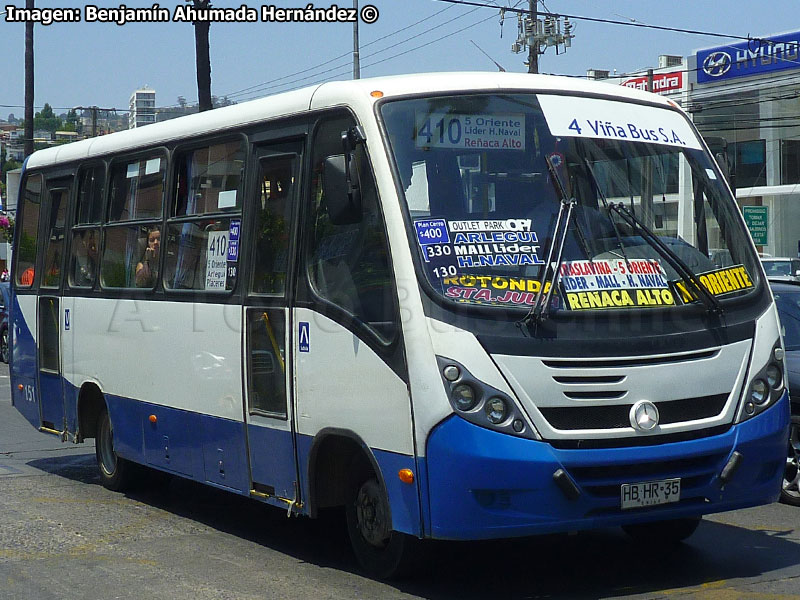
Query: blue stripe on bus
x=403, y=498
x=201, y=447
x=483, y=484
x=22, y=365
x=192, y=445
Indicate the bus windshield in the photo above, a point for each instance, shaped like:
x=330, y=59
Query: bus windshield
x=484, y=177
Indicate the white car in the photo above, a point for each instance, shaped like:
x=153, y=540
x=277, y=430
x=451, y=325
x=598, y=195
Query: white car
x=782, y=269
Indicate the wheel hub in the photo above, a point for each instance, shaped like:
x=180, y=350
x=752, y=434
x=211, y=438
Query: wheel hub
x=372, y=514
x=791, y=476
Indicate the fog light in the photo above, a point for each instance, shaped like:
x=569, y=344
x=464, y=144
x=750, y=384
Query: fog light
x=464, y=397
x=451, y=372
x=774, y=376
x=759, y=392
x=496, y=410
x=779, y=353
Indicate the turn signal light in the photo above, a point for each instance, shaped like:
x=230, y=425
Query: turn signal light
x=406, y=475
x=376, y=94
x=153, y=418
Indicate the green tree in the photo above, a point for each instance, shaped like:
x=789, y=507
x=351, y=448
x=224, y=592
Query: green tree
x=46, y=120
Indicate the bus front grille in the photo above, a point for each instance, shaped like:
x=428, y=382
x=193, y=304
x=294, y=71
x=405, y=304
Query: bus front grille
x=616, y=416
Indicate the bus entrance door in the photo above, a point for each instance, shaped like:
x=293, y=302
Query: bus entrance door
x=51, y=392
x=51, y=384
x=270, y=434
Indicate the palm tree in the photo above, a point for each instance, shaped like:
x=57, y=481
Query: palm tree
x=29, y=4
x=202, y=57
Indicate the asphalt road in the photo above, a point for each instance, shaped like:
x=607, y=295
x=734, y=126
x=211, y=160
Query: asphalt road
x=63, y=536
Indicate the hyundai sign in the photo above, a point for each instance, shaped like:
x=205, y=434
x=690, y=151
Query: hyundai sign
x=746, y=59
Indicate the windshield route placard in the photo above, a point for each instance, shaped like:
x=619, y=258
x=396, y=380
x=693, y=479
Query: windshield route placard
x=568, y=116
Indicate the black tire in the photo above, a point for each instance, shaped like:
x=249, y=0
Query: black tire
x=381, y=552
x=4, y=346
x=116, y=474
x=660, y=532
x=790, y=492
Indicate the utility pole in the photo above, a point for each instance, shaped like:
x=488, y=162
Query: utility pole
x=94, y=110
x=356, y=52
x=533, y=49
x=29, y=4
x=537, y=34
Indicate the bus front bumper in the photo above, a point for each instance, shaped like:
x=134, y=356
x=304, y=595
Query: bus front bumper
x=483, y=484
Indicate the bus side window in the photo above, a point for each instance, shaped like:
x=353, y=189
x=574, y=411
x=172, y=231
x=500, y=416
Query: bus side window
x=29, y=232
x=348, y=265
x=54, y=244
x=277, y=184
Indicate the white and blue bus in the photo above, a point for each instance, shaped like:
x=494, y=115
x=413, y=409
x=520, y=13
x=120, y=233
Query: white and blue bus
x=461, y=306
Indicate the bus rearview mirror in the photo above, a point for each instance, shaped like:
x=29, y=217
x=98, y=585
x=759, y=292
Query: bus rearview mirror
x=342, y=193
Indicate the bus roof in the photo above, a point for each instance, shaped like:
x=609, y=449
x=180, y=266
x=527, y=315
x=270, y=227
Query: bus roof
x=355, y=93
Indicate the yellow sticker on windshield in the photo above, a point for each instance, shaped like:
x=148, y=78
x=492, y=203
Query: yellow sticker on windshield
x=638, y=298
x=718, y=283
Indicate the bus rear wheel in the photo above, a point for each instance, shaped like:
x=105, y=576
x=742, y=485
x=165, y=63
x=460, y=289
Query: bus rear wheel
x=381, y=552
x=116, y=474
x=4, y=350
x=660, y=532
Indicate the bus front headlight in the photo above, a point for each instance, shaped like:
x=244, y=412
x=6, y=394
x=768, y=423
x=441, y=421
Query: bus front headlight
x=481, y=404
x=759, y=392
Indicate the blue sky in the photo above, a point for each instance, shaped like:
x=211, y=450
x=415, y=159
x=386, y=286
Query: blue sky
x=101, y=64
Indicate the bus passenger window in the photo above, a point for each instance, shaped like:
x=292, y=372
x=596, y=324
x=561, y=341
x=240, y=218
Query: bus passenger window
x=125, y=250
x=85, y=248
x=25, y=255
x=51, y=274
x=277, y=180
x=197, y=255
x=136, y=189
x=90, y=195
x=348, y=265
x=208, y=179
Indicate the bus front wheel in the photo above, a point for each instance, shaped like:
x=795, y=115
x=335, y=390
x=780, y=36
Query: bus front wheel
x=116, y=474
x=381, y=552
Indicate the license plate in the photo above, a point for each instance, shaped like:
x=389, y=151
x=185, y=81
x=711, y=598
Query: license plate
x=650, y=493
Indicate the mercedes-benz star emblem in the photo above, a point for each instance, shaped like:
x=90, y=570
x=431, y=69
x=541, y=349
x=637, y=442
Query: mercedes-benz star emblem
x=717, y=64
x=644, y=415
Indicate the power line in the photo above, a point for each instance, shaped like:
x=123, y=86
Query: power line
x=266, y=85
x=372, y=64
x=614, y=22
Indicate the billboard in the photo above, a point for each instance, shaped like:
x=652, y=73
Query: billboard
x=662, y=82
x=749, y=58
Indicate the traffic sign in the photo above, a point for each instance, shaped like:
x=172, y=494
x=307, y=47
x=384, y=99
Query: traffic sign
x=757, y=220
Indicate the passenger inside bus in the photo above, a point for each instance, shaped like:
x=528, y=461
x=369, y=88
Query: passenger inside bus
x=85, y=259
x=147, y=269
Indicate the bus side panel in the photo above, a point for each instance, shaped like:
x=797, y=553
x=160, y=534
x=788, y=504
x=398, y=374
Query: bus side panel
x=200, y=447
x=342, y=384
x=23, y=358
x=268, y=461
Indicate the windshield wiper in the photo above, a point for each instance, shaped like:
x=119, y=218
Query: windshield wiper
x=605, y=205
x=541, y=307
x=676, y=262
